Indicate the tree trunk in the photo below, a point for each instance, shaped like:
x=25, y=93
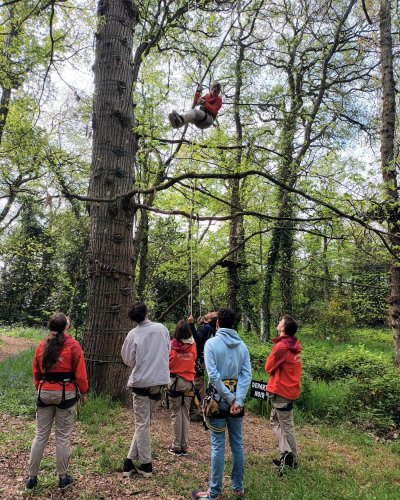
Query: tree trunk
x=110, y=266
x=389, y=166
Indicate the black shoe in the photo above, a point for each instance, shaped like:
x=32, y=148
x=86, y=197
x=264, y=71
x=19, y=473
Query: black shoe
x=145, y=469
x=196, y=418
x=128, y=468
x=65, y=482
x=178, y=118
x=31, y=482
x=172, y=121
x=287, y=460
x=277, y=462
x=184, y=452
x=174, y=451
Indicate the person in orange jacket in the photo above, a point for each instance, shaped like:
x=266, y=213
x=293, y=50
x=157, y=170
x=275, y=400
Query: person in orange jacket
x=284, y=367
x=203, y=116
x=182, y=358
x=60, y=379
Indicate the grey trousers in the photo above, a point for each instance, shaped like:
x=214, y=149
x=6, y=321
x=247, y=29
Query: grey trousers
x=143, y=411
x=64, y=420
x=283, y=425
x=180, y=414
x=199, y=118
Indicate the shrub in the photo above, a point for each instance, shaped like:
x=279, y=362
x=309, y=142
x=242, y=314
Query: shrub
x=335, y=321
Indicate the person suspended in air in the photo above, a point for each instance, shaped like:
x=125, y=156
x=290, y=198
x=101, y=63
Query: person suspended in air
x=205, y=109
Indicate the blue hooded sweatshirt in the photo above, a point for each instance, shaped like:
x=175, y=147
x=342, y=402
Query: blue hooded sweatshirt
x=227, y=357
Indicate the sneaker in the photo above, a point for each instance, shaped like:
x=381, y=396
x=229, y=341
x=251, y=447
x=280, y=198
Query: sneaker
x=204, y=495
x=289, y=461
x=184, y=452
x=128, y=468
x=174, y=451
x=286, y=460
x=172, y=121
x=145, y=469
x=31, y=482
x=278, y=461
x=65, y=482
x=178, y=118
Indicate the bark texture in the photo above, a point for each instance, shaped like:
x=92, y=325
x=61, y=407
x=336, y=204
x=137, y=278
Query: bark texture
x=388, y=162
x=110, y=252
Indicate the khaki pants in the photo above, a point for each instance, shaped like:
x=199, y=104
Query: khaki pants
x=180, y=407
x=64, y=420
x=200, y=386
x=199, y=118
x=283, y=425
x=143, y=411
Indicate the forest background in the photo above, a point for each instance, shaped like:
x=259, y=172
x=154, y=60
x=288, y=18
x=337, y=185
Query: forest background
x=289, y=204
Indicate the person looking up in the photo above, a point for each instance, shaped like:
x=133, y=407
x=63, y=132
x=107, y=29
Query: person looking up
x=60, y=379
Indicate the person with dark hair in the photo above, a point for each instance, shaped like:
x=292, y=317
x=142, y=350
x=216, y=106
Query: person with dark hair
x=283, y=366
x=228, y=366
x=205, y=330
x=146, y=350
x=59, y=374
x=182, y=359
x=204, y=116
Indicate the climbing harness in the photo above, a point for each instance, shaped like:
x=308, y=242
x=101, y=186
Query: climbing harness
x=211, y=407
x=61, y=378
x=173, y=393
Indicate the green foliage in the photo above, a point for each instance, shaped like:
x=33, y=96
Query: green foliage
x=23, y=332
x=343, y=383
x=17, y=394
x=335, y=321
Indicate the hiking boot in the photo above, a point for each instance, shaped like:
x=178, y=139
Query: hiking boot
x=174, y=451
x=204, y=495
x=128, y=468
x=145, y=469
x=31, y=482
x=65, y=482
x=184, y=452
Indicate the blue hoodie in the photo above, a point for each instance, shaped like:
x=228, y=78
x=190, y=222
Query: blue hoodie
x=227, y=357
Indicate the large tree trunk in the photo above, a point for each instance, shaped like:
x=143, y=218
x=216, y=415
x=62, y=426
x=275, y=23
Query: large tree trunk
x=388, y=164
x=110, y=241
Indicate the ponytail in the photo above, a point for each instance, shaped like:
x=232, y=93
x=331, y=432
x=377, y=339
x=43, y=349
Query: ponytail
x=55, y=340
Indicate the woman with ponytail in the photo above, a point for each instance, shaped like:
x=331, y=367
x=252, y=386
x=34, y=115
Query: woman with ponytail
x=59, y=375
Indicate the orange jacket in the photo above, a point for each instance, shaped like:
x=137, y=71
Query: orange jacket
x=70, y=360
x=212, y=105
x=283, y=366
x=182, y=358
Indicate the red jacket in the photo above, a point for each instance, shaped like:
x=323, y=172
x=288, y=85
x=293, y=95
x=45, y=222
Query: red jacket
x=70, y=360
x=283, y=366
x=182, y=358
x=212, y=105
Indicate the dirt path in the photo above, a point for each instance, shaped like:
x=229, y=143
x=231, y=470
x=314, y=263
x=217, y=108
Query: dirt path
x=11, y=346
x=14, y=456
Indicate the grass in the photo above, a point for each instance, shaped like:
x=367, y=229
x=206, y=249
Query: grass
x=35, y=334
x=336, y=461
